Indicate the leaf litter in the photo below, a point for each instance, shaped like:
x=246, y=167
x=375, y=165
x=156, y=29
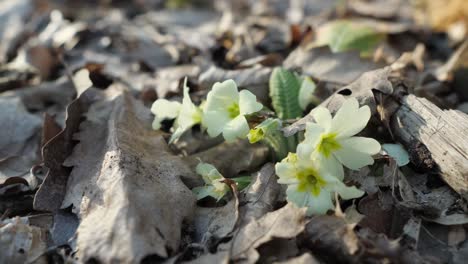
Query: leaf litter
x=84, y=177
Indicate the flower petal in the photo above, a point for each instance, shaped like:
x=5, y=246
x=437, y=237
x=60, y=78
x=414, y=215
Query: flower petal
x=329, y=165
x=221, y=96
x=312, y=137
x=248, y=103
x=345, y=192
x=189, y=114
x=306, y=93
x=164, y=109
x=315, y=204
x=356, y=152
x=286, y=172
x=362, y=144
x=322, y=117
x=215, y=121
x=236, y=128
x=350, y=119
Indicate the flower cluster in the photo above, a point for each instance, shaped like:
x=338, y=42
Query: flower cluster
x=316, y=171
x=223, y=113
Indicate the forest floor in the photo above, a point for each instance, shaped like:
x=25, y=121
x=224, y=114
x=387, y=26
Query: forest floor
x=86, y=178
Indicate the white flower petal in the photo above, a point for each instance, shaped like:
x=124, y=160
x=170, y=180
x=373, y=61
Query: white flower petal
x=320, y=204
x=350, y=119
x=248, y=103
x=361, y=144
x=157, y=123
x=329, y=165
x=356, y=152
x=336, y=185
x=312, y=137
x=165, y=109
x=176, y=135
x=350, y=192
x=322, y=117
x=236, y=128
x=189, y=114
x=315, y=204
x=215, y=121
x=286, y=172
x=222, y=96
x=300, y=199
x=306, y=93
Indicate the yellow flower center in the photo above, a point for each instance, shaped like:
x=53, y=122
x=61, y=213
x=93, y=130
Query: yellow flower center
x=233, y=110
x=328, y=144
x=310, y=181
x=197, y=117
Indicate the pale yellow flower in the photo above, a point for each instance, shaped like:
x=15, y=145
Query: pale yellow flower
x=309, y=185
x=226, y=108
x=331, y=142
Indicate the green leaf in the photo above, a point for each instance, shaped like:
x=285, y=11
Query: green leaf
x=242, y=182
x=343, y=35
x=284, y=93
x=398, y=153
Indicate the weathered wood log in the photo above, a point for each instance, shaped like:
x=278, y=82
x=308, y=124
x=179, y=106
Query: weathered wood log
x=443, y=134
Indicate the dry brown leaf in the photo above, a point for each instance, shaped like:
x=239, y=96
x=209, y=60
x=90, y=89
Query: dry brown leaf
x=260, y=197
x=213, y=224
x=21, y=242
x=331, y=237
x=232, y=158
x=125, y=185
x=286, y=222
x=50, y=195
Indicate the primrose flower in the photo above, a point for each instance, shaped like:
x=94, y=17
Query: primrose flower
x=214, y=185
x=186, y=114
x=311, y=186
x=331, y=143
x=225, y=110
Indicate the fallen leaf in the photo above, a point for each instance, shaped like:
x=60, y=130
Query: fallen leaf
x=50, y=195
x=260, y=197
x=232, y=158
x=122, y=177
x=21, y=242
x=344, y=35
x=320, y=63
x=214, y=224
x=286, y=222
x=19, y=127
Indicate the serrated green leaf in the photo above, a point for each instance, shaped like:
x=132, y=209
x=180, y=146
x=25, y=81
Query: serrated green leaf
x=343, y=35
x=284, y=93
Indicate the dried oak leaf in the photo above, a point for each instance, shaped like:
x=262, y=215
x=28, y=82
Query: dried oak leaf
x=50, y=195
x=261, y=196
x=285, y=223
x=125, y=185
x=330, y=237
x=18, y=127
x=21, y=242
